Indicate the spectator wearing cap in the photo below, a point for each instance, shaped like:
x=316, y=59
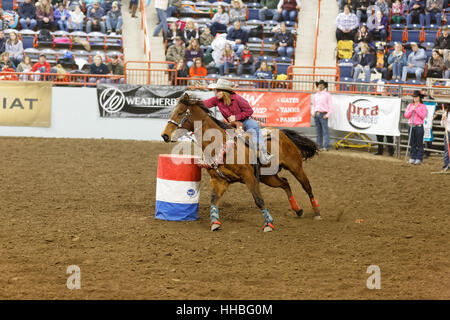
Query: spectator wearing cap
x=76, y=20
x=285, y=41
x=416, y=112
x=289, y=9
x=269, y=8
x=246, y=62
x=27, y=15
x=442, y=42
x=114, y=19
x=44, y=14
x=396, y=61
x=347, y=24
x=433, y=11
x=363, y=61
x=107, y=5
x=62, y=17
x=239, y=36
x=321, y=109
x=115, y=67
x=435, y=67
x=416, y=62
x=237, y=11
x=96, y=18
x=161, y=11
x=98, y=68
x=176, y=51
x=416, y=12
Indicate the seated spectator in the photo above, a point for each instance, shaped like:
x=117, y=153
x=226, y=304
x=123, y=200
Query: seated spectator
x=381, y=61
x=433, y=10
x=447, y=67
x=347, y=24
x=363, y=61
x=237, y=12
x=27, y=15
x=173, y=33
x=416, y=12
x=360, y=7
x=106, y=5
x=44, y=14
x=362, y=36
x=67, y=60
x=416, y=62
x=62, y=17
x=263, y=74
x=383, y=7
x=198, y=70
x=442, y=42
x=14, y=47
x=114, y=19
x=24, y=67
x=289, y=9
x=246, y=62
x=239, y=36
x=219, y=21
x=378, y=26
x=190, y=31
x=435, y=65
x=206, y=39
x=269, y=8
x=285, y=41
x=176, y=52
x=193, y=51
x=42, y=66
x=98, y=68
x=2, y=42
x=397, y=11
x=396, y=61
x=226, y=60
x=72, y=4
x=96, y=18
x=76, y=20
x=6, y=62
x=174, y=8
x=182, y=72
x=115, y=67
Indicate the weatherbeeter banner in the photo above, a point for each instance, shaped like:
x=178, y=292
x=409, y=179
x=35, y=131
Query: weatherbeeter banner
x=25, y=104
x=366, y=114
x=280, y=109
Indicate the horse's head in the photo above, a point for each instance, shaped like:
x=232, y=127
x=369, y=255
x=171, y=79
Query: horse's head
x=181, y=118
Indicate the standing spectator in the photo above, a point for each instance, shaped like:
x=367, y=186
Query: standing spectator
x=378, y=26
x=2, y=42
x=198, y=70
x=161, y=11
x=226, y=60
x=361, y=9
x=285, y=41
x=239, y=36
x=173, y=33
x=14, y=47
x=115, y=67
x=416, y=12
x=434, y=10
x=389, y=139
x=96, y=18
x=62, y=17
x=397, y=11
x=383, y=7
x=269, y=8
x=416, y=112
x=246, y=62
x=435, y=65
x=289, y=9
x=174, y=8
x=44, y=14
x=77, y=19
x=320, y=111
x=347, y=24
x=396, y=61
x=206, y=39
x=416, y=62
x=176, y=52
x=219, y=21
x=27, y=15
x=445, y=122
x=98, y=68
x=363, y=61
x=182, y=72
x=190, y=31
x=237, y=12
x=442, y=42
x=24, y=67
x=362, y=36
x=114, y=19
x=134, y=7
x=193, y=51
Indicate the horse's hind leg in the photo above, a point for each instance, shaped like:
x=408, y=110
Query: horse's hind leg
x=219, y=186
x=276, y=181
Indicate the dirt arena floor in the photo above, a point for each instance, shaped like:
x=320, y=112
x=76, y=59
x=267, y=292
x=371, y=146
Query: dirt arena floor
x=91, y=203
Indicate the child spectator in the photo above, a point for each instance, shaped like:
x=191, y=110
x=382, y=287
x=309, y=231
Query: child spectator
x=435, y=65
x=396, y=61
x=114, y=19
x=99, y=68
x=182, y=72
x=416, y=112
x=44, y=14
x=445, y=122
x=198, y=70
x=27, y=15
x=219, y=21
x=206, y=39
x=77, y=19
x=190, y=31
x=25, y=67
x=289, y=9
x=246, y=62
x=285, y=41
x=226, y=60
x=62, y=17
x=237, y=12
x=397, y=12
x=14, y=47
x=193, y=51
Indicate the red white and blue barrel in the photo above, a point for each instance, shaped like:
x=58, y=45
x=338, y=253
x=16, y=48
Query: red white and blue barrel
x=177, y=188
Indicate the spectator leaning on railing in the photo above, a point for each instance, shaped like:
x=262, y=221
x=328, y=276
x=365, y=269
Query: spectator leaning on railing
x=27, y=15
x=347, y=24
x=269, y=8
x=96, y=18
x=416, y=62
x=99, y=68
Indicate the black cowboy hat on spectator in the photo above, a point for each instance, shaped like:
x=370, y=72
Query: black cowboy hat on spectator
x=322, y=82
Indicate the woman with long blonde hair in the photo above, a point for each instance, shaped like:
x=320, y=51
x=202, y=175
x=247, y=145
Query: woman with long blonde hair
x=226, y=60
x=14, y=47
x=44, y=15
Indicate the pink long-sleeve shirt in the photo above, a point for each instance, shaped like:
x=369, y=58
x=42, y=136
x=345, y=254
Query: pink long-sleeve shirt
x=239, y=107
x=322, y=103
x=419, y=114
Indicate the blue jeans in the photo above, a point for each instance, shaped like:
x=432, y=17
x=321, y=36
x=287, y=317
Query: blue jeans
x=445, y=158
x=89, y=25
x=171, y=11
x=269, y=12
x=322, y=131
x=238, y=48
x=25, y=25
x=115, y=24
x=250, y=68
x=417, y=71
x=285, y=51
x=397, y=69
x=290, y=15
x=63, y=25
x=217, y=27
x=225, y=67
x=77, y=26
x=447, y=74
x=435, y=15
x=409, y=19
x=367, y=72
x=254, y=129
x=416, y=143
x=162, y=24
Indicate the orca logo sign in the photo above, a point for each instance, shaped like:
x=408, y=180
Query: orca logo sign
x=112, y=100
x=362, y=114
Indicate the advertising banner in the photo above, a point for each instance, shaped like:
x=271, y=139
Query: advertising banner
x=428, y=123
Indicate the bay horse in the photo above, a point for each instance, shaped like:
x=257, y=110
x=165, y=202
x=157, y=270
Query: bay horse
x=293, y=148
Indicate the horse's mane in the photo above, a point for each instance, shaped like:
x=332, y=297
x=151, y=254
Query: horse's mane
x=190, y=102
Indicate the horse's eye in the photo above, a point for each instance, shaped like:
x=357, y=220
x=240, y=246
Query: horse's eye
x=180, y=113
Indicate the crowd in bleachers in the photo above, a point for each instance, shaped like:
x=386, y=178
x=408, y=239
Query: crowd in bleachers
x=252, y=40
x=62, y=37
x=393, y=41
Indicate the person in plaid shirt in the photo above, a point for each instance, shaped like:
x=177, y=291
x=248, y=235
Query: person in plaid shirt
x=347, y=24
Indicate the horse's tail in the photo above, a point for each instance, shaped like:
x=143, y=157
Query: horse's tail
x=307, y=147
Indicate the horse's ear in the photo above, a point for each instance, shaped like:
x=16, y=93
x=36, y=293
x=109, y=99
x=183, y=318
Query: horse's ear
x=186, y=97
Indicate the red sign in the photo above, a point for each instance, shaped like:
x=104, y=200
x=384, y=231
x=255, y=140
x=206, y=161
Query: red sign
x=280, y=109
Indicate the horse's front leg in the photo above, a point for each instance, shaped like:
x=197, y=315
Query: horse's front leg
x=219, y=186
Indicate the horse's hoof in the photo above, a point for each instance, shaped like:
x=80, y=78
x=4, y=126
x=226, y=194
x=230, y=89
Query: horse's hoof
x=268, y=227
x=318, y=217
x=215, y=226
x=299, y=213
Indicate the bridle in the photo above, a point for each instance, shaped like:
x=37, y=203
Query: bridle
x=183, y=120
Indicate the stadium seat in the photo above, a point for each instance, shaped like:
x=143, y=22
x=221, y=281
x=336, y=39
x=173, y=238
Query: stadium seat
x=255, y=5
x=61, y=35
x=267, y=59
x=267, y=46
x=51, y=55
x=33, y=53
x=253, y=14
x=414, y=82
x=414, y=33
x=283, y=60
x=345, y=69
x=254, y=23
x=345, y=87
x=281, y=68
x=430, y=34
x=82, y=54
x=97, y=40
x=28, y=38
x=113, y=41
x=397, y=31
x=255, y=44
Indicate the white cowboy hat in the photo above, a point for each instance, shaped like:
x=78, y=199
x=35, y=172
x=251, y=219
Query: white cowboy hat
x=222, y=84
